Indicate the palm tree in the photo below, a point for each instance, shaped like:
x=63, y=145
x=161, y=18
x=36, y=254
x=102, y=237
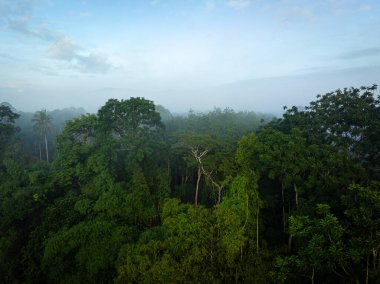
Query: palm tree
x=42, y=125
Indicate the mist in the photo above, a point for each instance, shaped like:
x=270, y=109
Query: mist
x=267, y=95
x=246, y=55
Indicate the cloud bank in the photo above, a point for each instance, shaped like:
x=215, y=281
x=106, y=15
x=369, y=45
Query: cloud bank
x=18, y=17
x=238, y=4
x=361, y=53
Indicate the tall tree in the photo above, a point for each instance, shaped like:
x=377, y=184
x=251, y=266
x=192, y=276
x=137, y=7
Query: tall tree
x=7, y=118
x=199, y=145
x=42, y=126
x=348, y=119
x=321, y=251
x=7, y=128
x=363, y=212
x=74, y=145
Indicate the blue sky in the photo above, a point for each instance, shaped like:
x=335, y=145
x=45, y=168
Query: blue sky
x=245, y=54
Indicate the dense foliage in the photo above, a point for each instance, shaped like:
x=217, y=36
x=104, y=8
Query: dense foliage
x=220, y=197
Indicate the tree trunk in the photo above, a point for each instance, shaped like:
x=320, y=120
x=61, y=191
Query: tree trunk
x=197, y=187
x=312, y=277
x=47, y=151
x=290, y=243
x=283, y=207
x=257, y=228
x=374, y=254
x=367, y=270
x=39, y=147
x=219, y=187
x=296, y=191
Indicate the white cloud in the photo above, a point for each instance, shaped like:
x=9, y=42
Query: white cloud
x=85, y=14
x=63, y=49
x=359, y=53
x=18, y=16
x=24, y=25
x=210, y=5
x=92, y=63
x=347, y=11
x=238, y=4
x=20, y=25
x=302, y=12
x=365, y=8
x=154, y=2
x=66, y=49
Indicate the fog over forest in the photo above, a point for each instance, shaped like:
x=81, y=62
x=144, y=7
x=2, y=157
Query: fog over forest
x=243, y=54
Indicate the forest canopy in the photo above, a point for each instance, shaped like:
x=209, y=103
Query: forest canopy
x=135, y=194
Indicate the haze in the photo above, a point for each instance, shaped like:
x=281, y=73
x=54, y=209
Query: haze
x=249, y=55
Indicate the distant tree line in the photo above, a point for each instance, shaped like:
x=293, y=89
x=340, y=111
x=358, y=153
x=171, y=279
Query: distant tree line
x=134, y=194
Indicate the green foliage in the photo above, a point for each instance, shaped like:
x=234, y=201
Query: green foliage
x=7, y=119
x=294, y=201
x=131, y=117
x=131, y=202
x=233, y=215
x=84, y=206
x=349, y=119
x=181, y=251
x=363, y=210
x=320, y=246
x=93, y=246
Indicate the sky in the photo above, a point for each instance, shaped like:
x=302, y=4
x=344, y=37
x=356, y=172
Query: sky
x=185, y=54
